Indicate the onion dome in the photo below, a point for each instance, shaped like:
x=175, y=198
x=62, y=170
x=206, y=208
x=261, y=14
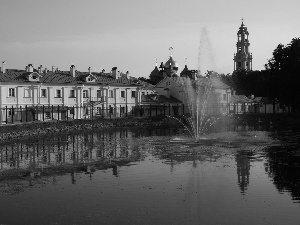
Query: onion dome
x=171, y=62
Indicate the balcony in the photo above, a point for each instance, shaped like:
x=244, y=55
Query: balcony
x=97, y=99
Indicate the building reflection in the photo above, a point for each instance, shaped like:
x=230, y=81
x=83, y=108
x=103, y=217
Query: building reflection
x=242, y=159
x=64, y=150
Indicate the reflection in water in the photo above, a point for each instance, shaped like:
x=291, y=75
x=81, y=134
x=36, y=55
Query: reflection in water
x=283, y=161
x=195, y=180
x=242, y=159
x=283, y=167
x=67, y=150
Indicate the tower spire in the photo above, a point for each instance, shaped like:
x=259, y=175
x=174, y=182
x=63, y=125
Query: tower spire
x=242, y=58
x=171, y=51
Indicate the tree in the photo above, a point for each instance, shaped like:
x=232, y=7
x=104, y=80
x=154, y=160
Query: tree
x=284, y=69
x=155, y=76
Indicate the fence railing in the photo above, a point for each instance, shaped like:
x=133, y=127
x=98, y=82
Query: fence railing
x=11, y=115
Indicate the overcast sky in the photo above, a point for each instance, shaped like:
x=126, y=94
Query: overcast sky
x=133, y=34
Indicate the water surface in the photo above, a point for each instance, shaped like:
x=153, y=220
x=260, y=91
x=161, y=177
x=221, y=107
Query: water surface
x=236, y=175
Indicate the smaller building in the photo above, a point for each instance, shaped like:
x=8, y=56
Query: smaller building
x=240, y=104
x=214, y=94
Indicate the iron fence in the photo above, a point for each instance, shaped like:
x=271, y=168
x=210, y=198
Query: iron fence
x=11, y=115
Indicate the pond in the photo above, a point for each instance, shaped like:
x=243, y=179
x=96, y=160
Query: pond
x=246, y=174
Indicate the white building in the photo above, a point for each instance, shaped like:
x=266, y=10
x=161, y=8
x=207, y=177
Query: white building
x=178, y=87
x=40, y=94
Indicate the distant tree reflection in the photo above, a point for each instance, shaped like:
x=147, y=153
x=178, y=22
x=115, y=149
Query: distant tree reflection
x=284, y=166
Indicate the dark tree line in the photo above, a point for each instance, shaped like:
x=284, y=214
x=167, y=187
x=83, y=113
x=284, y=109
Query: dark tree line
x=280, y=80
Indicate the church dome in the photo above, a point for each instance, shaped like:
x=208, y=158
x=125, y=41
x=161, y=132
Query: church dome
x=171, y=62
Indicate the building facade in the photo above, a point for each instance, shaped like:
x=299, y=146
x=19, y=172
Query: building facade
x=40, y=94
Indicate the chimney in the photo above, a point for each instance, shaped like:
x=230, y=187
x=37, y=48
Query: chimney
x=114, y=72
x=46, y=70
x=103, y=71
x=72, y=71
x=40, y=69
x=127, y=74
x=90, y=70
x=30, y=68
x=3, y=69
x=53, y=69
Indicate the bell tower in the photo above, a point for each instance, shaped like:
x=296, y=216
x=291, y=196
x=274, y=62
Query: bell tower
x=242, y=59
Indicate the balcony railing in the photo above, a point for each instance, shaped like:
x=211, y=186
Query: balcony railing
x=97, y=99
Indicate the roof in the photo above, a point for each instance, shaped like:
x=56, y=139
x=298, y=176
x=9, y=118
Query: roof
x=202, y=81
x=264, y=100
x=159, y=99
x=217, y=83
x=240, y=99
x=63, y=77
x=146, y=85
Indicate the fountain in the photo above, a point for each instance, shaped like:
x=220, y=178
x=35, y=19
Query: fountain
x=199, y=95
x=202, y=116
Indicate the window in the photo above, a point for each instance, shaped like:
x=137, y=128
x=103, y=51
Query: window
x=11, y=92
x=122, y=109
x=72, y=94
x=11, y=112
x=224, y=97
x=58, y=93
x=43, y=93
x=122, y=94
x=111, y=94
x=98, y=111
x=47, y=115
x=87, y=111
x=98, y=93
x=71, y=111
x=27, y=93
x=111, y=109
x=243, y=107
x=85, y=93
x=132, y=94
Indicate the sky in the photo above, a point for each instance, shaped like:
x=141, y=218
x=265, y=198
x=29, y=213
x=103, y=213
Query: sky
x=133, y=35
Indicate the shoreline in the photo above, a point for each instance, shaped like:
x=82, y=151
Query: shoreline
x=25, y=131
x=37, y=129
